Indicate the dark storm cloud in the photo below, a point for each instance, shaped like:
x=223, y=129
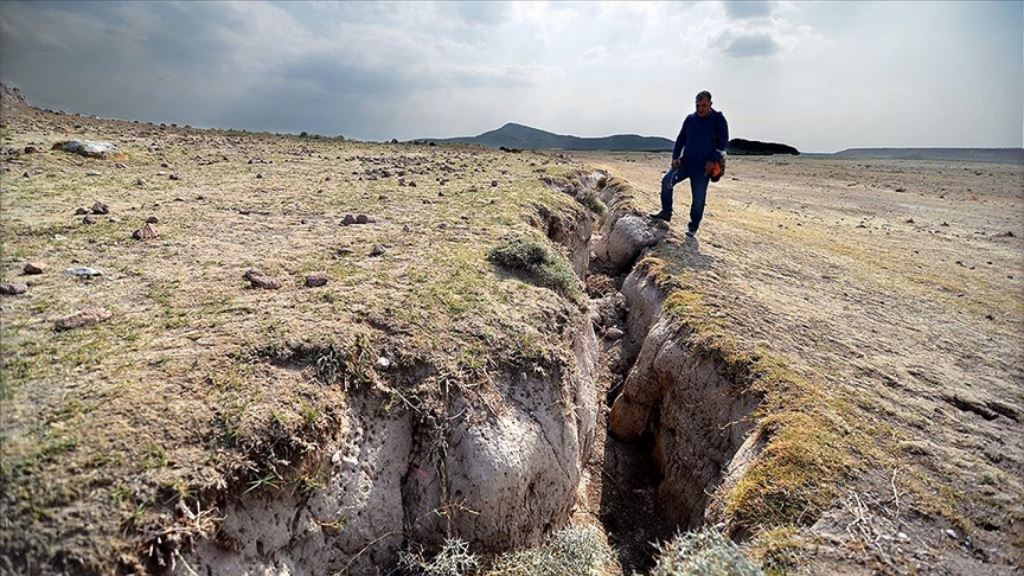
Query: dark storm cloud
x=250, y=65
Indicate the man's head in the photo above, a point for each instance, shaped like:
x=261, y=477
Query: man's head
x=703, y=103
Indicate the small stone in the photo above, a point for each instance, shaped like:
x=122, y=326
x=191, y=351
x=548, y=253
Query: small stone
x=950, y=532
x=100, y=208
x=80, y=210
x=13, y=288
x=258, y=280
x=164, y=165
x=382, y=197
x=88, y=220
x=83, y=271
x=614, y=334
x=362, y=219
x=406, y=228
x=120, y=165
x=442, y=226
x=383, y=363
x=147, y=232
x=140, y=182
x=316, y=280
x=945, y=224
x=152, y=220
x=174, y=177
x=494, y=183
x=348, y=220
x=259, y=176
x=378, y=250
x=34, y=268
x=412, y=184
x=909, y=221
x=82, y=318
x=31, y=150
x=92, y=173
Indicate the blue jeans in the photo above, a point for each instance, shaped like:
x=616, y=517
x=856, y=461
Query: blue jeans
x=698, y=190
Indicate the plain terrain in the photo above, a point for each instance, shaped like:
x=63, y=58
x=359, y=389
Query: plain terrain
x=896, y=286
x=900, y=286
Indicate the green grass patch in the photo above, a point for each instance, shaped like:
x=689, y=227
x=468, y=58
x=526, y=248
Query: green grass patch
x=538, y=262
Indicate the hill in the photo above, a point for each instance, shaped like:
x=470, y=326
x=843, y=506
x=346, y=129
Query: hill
x=514, y=135
x=741, y=147
x=1002, y=155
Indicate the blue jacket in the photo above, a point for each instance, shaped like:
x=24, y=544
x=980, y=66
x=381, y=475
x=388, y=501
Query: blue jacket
x=701, y=139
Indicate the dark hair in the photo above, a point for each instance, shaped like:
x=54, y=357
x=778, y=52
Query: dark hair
x=703, y=94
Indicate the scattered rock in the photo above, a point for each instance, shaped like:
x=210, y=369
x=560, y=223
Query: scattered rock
x=378, y=250
x=34, y=268
x=80, y=210
x=259, y=176
x=174, y=177
x=362, y=219
x=383, y=363
x=1006, y=234
x=147, y=232
x=945, y=224
x=92, y=173
x=31, y=150
x=83, y=271
x=614, y=334
x=120, y=165
x=316, y=280
x=259, y=280
x=901, y=189
x=348, y=220
x=90, y=148
x=13, y=288
x=152, y=220
x=406, y=228
x=100, y=208
x=494, y=183
x=82, y=318
x=88, y=220
x=909, y=221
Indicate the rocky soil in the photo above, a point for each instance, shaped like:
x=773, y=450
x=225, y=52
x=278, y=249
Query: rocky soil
x=899, y=287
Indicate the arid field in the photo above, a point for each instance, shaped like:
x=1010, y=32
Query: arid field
x=303, y=355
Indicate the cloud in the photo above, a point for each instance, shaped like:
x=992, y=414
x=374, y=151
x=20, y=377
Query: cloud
x=746, y=44
x=758, y=30
x=743, y=9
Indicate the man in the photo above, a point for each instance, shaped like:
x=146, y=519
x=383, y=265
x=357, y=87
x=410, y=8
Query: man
x=701, y=143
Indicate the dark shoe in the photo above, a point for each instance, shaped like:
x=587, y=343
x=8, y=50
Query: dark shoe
x=690, y=233
x=660, y=216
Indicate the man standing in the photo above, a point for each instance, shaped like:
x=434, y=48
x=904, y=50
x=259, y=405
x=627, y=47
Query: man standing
x=701, y=143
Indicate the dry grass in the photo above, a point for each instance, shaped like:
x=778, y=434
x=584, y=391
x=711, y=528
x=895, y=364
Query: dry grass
x=200, y=386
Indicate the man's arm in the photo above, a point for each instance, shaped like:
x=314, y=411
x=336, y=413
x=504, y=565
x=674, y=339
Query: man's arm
x=721, y=137
x=680, y=142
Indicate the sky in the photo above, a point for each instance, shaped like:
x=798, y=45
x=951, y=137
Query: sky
x=818, y=76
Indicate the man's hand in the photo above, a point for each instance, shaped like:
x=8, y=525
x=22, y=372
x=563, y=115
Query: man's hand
x=708, y=167
x=675, y=164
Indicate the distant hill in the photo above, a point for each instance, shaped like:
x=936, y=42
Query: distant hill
x=1003, y=155
x=739, y=146
x=513, y=135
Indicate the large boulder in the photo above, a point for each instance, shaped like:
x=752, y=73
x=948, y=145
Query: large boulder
x=89, y=148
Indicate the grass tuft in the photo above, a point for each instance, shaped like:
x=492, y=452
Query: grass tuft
x=704, y=553
x=539, y=262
